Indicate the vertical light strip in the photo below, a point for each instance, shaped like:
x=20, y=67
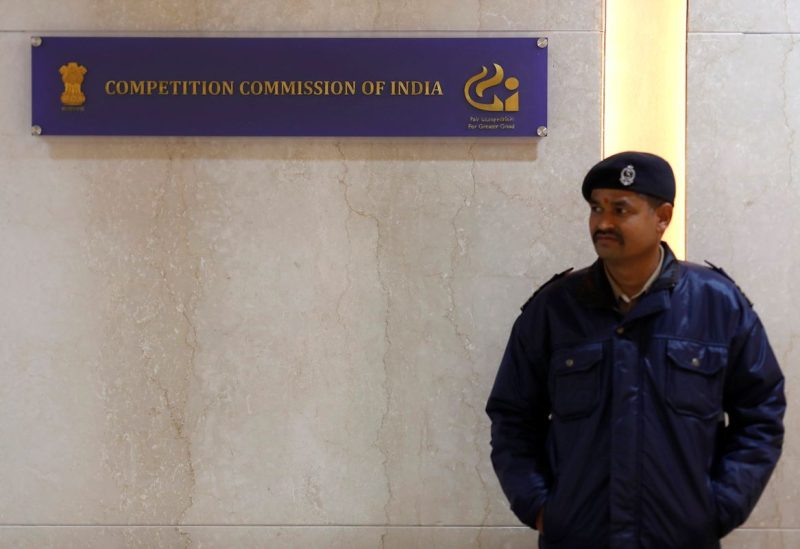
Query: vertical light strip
x=645, y=89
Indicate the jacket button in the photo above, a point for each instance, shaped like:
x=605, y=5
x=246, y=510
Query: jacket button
x=695, y=362
x=620, y=330
x=569, y=363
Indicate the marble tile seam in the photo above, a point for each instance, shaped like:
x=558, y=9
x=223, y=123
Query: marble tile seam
x=287, y=34
x=293, y=526
x=741, y=33
x=323, y=526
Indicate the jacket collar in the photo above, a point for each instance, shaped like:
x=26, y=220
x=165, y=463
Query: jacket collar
x=594, y=290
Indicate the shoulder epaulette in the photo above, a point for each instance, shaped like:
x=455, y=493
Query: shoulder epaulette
x=721, y=271
x=543, y=286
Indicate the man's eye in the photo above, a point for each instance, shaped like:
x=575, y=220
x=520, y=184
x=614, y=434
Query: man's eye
x=596, y=209
x=621, y=211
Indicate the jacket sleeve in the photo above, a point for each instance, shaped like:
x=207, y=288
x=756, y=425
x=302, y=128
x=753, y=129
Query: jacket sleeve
x=519, y=410
x=751, y=442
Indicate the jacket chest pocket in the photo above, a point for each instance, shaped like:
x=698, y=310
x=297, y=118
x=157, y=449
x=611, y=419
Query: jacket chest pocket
x=576, y=381
x=695, y=377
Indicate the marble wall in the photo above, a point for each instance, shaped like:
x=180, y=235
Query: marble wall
x=743, y=194
x=289, y=342
x=273, y=342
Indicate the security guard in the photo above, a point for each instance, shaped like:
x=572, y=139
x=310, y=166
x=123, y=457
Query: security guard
x=638, y=402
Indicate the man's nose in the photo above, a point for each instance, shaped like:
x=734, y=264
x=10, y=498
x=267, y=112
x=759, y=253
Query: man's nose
x=605, y=222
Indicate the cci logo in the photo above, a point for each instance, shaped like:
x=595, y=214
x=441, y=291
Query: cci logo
x=72, y=77
x=511, y=84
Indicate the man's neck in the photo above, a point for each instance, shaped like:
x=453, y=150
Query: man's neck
x=632, y=274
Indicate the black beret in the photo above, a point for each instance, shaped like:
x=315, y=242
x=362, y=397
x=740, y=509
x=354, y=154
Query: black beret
x=638, y=172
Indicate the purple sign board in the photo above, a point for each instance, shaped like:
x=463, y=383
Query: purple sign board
x=470, y=87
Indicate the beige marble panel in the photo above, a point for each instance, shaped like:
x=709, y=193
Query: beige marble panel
x=778, y=506
x=94, y=537
x=762, y=539
x=52, y=401
x=449, y=320
x=220, y=321
x=292, y=370
x=744, y=16
x=298, y=15
x=273, y=331
x=329, y=537
x=570, y=15
x=100, y=16
x=213, y=537
x=15, y=84
x=743, y=188
x=459, y=538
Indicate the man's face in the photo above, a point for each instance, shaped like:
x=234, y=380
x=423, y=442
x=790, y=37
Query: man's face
x=624, y=225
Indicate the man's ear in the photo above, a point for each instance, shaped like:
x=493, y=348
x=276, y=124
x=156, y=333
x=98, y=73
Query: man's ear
x=664, y=214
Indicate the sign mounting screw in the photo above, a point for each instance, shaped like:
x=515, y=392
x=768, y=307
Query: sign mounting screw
x=542, y=42
x=541, y=131
x=36, y=130
x=36, y=41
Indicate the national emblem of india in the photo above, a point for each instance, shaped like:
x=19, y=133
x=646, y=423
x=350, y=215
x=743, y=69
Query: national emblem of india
x=72, y=77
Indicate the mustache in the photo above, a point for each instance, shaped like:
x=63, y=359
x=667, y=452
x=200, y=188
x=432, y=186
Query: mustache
x=612, y=233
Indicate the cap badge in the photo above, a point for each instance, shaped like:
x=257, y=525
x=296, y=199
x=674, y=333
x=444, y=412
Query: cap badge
x=627, y=175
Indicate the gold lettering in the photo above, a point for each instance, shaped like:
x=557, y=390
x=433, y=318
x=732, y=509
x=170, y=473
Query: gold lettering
x=227, y=87
x=207, y=87
x=415, y=87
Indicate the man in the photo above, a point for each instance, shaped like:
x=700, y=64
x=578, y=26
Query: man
x=610, y=405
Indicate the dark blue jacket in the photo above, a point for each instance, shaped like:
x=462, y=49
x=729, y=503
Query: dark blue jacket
x=617, y=423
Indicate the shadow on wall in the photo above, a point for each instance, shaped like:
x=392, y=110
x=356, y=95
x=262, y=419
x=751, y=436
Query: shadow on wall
x=280, y=148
